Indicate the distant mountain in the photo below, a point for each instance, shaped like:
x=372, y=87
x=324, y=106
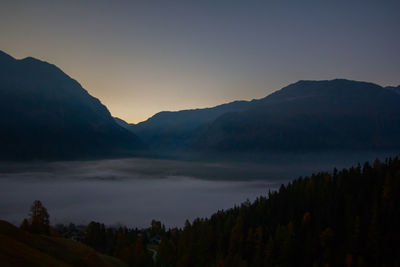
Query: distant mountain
x=170, y=131
x=44, y=114
x=309, y=115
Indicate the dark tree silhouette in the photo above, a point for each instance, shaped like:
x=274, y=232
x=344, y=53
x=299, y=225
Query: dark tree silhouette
x=344, y=218
x=38, y=222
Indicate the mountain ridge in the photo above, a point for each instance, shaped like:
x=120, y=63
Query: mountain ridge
x=45, y=114
x=168, y=130
x=287, y=119
x=289, y=115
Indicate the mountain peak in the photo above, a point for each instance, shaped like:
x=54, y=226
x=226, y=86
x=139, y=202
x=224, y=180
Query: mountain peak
x=32, y=59
x=337, y=81
x=335, y=86
x=48, y=115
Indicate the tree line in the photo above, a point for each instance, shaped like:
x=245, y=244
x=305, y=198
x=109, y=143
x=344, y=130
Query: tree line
x=344, y=218
x=341, y=218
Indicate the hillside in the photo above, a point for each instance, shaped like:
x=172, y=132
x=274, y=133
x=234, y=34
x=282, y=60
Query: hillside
x=339, y=218
x=304, y=116
x=20, y=248
x=344, y=218
x=311, y=115
x=174, y=130
x=44, y=114
x=394, y=88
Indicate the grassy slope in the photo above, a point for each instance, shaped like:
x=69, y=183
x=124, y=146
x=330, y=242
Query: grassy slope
x=19, y=248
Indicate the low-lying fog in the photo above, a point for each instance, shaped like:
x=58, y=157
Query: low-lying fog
x=134, y=191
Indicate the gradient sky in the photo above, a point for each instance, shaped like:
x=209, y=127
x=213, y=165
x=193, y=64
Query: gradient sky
x=142, y=57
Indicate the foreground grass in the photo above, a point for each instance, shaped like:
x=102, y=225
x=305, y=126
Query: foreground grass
x=19, y=248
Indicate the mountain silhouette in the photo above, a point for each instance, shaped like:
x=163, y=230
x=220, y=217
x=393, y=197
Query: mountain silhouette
x=304, y=116
x=45, y=114
x=309, y=115
x=174, y=130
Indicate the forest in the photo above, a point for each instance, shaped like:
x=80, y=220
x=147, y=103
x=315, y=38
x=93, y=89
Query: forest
x=341, y=218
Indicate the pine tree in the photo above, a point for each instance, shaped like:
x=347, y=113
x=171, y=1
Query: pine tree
x=39, y=222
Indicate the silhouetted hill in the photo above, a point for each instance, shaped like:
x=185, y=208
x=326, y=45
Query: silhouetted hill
x=171, y=130
x=46, y=114
x=335, y=114
x=20, y=248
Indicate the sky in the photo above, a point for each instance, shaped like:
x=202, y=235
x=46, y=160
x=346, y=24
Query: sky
x=142, y=57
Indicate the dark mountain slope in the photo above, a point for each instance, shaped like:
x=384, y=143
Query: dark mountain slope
x=171, y=130
x=336, y=114
x=344, y=218
x=46, y=114
x=394, y=88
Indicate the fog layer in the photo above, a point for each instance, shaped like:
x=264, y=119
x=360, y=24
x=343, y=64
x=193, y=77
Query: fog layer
x=134, y=191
